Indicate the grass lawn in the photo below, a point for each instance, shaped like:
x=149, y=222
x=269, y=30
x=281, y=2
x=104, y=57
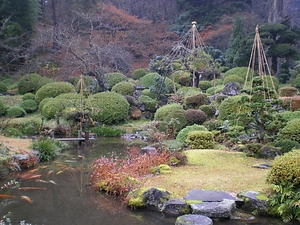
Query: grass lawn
x=213, y=170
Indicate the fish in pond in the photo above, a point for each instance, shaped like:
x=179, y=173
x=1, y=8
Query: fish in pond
x=59, y=172
x=52, y=182
x=34, y=176
x=26, y=198
x=31, y=188
x=6, y=196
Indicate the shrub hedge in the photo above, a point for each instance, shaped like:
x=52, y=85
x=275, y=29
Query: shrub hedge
x=291, y=131
x=53, y=89
x=124, y=88
x=112, y=79
x=287, y=91
x=204, y=85
x=200, y=139
x=15, y=111
x=2, y=108
x=29, y=105
x=28, y=96
x=149, y=103
x=138, y=73
x=52, y=108
x=182, y=135
x=31, y=83
x=195, y=116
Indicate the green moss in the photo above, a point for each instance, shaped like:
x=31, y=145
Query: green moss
x=162, y=169
x=262, y=197
x=189, y=202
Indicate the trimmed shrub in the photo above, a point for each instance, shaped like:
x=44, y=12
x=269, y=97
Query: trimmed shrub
x=138, y=73
x=149, y=80
x=182, y=135
x=174, y=121
x=123, y=88
x=284, y=178
x=200, y=139
x=54, y=89
x=268, y=81
x=149, y=93
x=29, y=105
x=209, y=110
x=172, y=145
x=287, y=145
x=195, y=101
x=291, y=131
x=108, y=107
x=2, y=108
x=163, y=111
x=295, y=103
x=15, y=111
x=215, y=90
x=43, y=102
x=52, y=108
x=182, y=77
x=113, y=78
x=195, y=116
x=188, y=91
x=3, y=87
x=238, y=71
x=31, y=83
x=287, y=91
x=149, y=103
x=12, y=132
x=296, y=82
x=288, y=115
x=233, y=78
x=28, y=96
x=204, y=85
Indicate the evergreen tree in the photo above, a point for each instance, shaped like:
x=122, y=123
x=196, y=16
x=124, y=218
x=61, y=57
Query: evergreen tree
x=236, y=54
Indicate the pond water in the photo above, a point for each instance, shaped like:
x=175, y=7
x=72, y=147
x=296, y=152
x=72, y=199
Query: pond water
x=60, y=195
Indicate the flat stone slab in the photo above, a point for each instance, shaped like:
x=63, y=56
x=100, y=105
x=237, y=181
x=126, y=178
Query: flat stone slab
x=209, y=196
x=190, y=219
x=176, y=207
x=222, y=210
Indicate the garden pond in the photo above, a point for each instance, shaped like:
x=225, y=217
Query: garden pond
x=60, y=194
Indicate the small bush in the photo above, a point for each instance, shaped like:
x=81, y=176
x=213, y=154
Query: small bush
x=108, y=107
x=163, y=111
x=200, y=139
x=28, y=128
x=296, y=82
x=172, y=145
x=149, y=103
x=215, y=90
x=29, y=105
x=233, y=78
x=174, y=121
x=3, y=87
x=182, y=77
x=182, y=135
x=43, y=102
x=28, y=96
x=238, y=71
x=287, y=91
x=48, y=149
x=113, y=78
x=105, y=131
x=291, y=131
x=195, y=116
x=124, y=88
x=12, y=132
x=52, y=108
x=284, y=178
x=31, y=83
x=149, y=93
x=209, y=110
x=54, y=89
x=149, y=80
x=287, y=145
x=204, y=85
x=138, y=73
x=195, y=101
x=15, y=111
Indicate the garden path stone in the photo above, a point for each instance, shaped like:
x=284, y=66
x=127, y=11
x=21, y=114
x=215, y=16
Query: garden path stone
x=176, y=206
x=209, y=196
x=193, y=220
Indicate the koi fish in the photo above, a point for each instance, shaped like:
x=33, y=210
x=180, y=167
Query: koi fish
x=26, y=198
x=52, y=182
x=33, y=170
x=49, y=172
x=42, y=181
x=43, y=167
x=6, y=196
x=59, y=172
x=31, y=188
x=32, y=177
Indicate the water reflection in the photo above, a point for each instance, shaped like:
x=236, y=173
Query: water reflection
x=68, y=200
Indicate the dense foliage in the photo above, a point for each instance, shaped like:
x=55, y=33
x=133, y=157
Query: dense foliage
x=31, y=83
x=53, y=89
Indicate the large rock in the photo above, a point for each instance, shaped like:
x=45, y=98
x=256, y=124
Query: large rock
x=193, y=220
x=176, y=207
x=155, y=199
x=254, y=202
x=231, y=89
x=222, y=210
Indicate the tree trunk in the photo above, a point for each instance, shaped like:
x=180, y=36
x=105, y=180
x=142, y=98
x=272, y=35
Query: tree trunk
x=55, y=45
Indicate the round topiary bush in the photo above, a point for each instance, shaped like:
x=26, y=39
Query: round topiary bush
x=149, y=93
x=287, y=91
x=52, y=108
x=108, y=107
x=149, y=103
x=112, y=79
x=209, y=110
x=15, y=111
x=28, y=96
x=54, y=89
x=291, y=131
x=43, y=102
x=3, y=87
x=29, y=105
x=123, y=88
x=182, y=135
x=233, y=78
x=195, y=101
x=188, y=91
x=195, y=116
x=200, y=139
x=182, y=77
x=2, y=108
x=138, y=73
x=31, y=83
x=239, y=71
x=287, y=145
x=215, y=90
x=163, y=111
x=149, y=81
x=204, y=85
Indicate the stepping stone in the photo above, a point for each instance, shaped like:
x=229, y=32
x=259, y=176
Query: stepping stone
x=176, y=207
x=193, y=220
x=209, y=196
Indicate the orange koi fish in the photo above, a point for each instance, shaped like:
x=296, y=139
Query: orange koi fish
x=26, y=198
x=6, y=196
x=35, y=176
x=42, y=181
x=31, y=188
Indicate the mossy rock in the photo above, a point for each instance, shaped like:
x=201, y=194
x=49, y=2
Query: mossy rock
x=161, y=169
